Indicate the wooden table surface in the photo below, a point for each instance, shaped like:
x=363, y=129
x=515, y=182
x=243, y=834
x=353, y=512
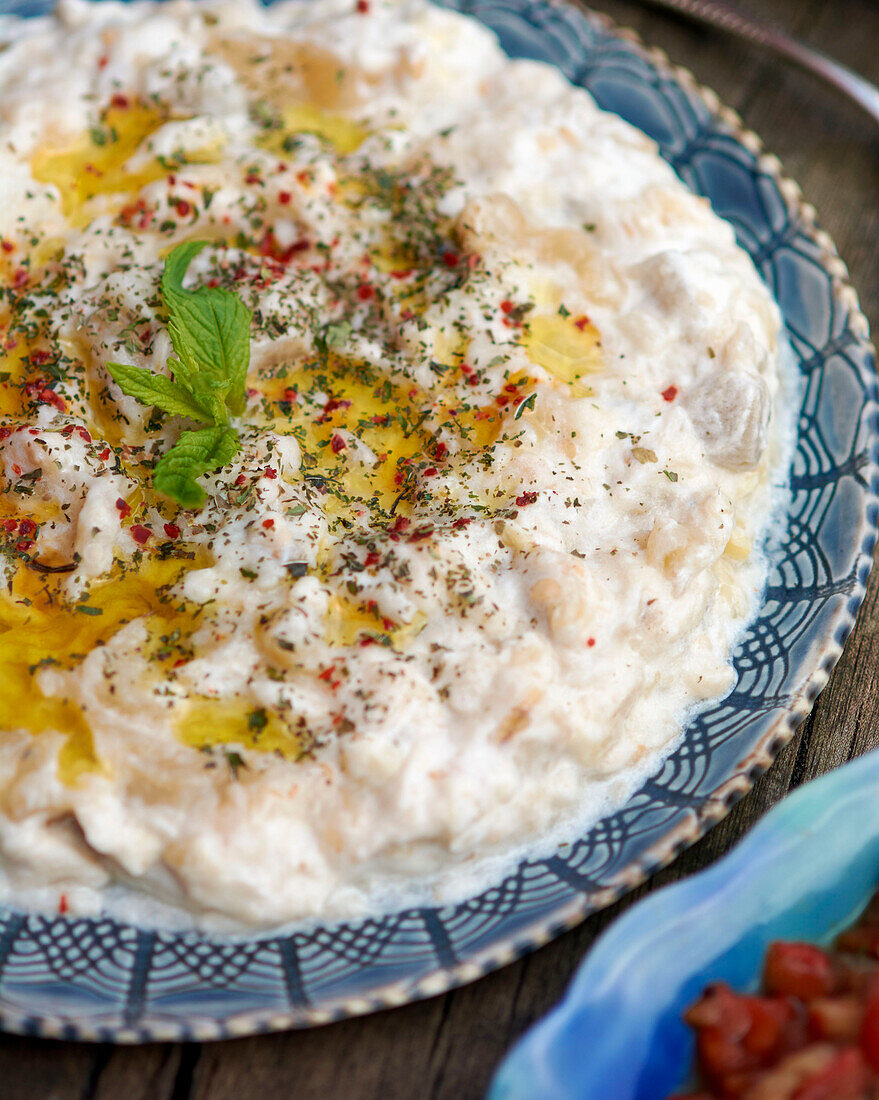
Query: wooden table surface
x=446, y=1048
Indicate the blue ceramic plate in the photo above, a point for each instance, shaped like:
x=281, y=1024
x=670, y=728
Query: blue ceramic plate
x=803, y=873
x=99, y=979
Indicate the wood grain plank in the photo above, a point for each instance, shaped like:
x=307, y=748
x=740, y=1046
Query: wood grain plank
x=34, y=1070
x=447, y=1048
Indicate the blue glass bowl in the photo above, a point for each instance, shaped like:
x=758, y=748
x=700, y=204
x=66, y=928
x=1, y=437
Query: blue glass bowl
x=107, y=980
x=803, y=873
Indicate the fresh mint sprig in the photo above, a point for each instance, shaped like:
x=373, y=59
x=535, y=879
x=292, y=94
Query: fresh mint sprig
x=210, y=334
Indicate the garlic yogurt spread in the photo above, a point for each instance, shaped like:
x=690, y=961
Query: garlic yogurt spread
x=501, y=457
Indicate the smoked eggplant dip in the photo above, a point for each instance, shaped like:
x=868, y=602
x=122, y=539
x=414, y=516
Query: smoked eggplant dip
x=387, y=440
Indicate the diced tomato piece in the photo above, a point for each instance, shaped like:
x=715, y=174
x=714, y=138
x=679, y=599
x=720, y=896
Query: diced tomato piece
x=720, y=1056
x=769, y=1017
x=846, y=1077
x=836, y=1018
x=870, y=1032
x=722, y=1008
x=800, y=970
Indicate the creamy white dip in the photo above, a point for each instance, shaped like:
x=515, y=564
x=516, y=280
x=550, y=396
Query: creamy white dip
x=506, y=455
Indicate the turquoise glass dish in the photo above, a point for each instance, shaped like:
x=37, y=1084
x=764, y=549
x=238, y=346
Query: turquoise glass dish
x=103, y=979
x=803, y=873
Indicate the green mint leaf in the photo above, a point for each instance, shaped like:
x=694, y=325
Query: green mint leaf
x=194, y=454
x=155, y=389
x=210, y=332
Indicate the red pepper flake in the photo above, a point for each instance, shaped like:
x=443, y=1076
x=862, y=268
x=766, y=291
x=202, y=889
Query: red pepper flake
x=403, y=273
x=431, y=471
x=103, y=62
x=40, y=356
x=381, y=420
x=331, y=406
x=401, y=525
x=440, y=450
x=240, y=479
x=290, y=395
x=451, y=259
x=24, y=546
x=327, y=673
x=20, y=276
x=462, y=521
x=421, y=533
x=49, y=397
x=270, y=472
x=9, y=525
x=83, y=433
x=11, y=343
x=123, y=506
x=184, y=209
x=7, y=246
x=180, y=661
x=62, y=904
x=365, y=292
x=581, y=322
x=473, y=261
x=120, y=101
x=372, y=558
x=136, y=214
x=16, y=469
x=363, y=7
x=590, y=642
x=338, y=443
x=670, y=394
x=26, y=528
x=104, y=455
x=268, y=524
x=284, y=198
x=525, y=499
x=507, y=306
x=271, y=249
x=139, y=533
x=172, y=530
x=364, y=642
x=252, y=177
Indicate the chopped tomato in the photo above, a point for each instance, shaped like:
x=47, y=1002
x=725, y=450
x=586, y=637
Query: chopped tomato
x=846, y=1077
x=800, y=970
x=870, y=1032
x=836, y=1018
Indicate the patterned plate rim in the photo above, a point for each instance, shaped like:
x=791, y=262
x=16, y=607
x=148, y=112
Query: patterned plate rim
x=705, y=816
